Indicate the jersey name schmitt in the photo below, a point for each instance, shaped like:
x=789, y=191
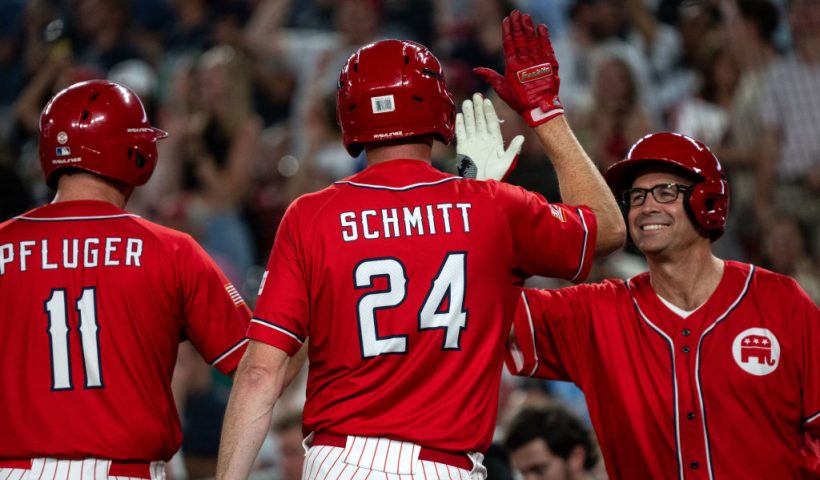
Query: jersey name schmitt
x=69, y=253
x=442, y=218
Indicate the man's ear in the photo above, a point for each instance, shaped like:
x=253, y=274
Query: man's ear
x=576, y=459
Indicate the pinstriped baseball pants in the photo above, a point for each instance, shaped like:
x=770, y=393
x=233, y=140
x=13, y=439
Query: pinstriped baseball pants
x=88, y=469
x=380, y=459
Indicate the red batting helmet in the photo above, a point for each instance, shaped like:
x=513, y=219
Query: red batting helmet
x=393, y=89
x=708, y=201
x=100, y=127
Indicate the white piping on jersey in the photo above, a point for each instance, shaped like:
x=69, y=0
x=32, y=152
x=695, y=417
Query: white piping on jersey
x=697, y=365
x=407, y=187
x=532, y=333
x=278, y=329
x=674, y=382
x=584, y=247
x=812, y=418
x=230, y=351
x=90, y=217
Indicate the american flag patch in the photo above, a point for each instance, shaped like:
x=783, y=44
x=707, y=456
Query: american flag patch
x=558, y=213
x=63, y=151
x=235, y=296
x=383, y=104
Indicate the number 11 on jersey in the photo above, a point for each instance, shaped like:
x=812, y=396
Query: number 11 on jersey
x=58, y=333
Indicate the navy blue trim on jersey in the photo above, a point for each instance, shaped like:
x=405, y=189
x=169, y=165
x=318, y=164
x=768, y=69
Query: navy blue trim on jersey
x=678, y=450
x=228, y=351
x=279, y=328
x=398, y=189
x=74, y=219
x=697, y=365
x=584, y=246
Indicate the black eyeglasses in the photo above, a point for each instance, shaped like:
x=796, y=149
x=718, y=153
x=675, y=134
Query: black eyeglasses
x=663, y=193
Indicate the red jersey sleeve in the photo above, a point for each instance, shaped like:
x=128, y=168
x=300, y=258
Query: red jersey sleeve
x=570, y=232
x=281, y=313
x=551, y=333
x=808, y=335
x=215, y=315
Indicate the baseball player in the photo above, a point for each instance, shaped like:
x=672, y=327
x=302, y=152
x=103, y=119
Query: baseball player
x=402, y=276
x=698, y=369
x=95, y=300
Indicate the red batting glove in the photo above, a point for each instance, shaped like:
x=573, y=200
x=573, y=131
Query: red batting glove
x=530, y=81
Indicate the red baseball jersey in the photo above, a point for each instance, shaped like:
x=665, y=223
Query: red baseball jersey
x=403, y=279
x=95, y=301
x=728, y=392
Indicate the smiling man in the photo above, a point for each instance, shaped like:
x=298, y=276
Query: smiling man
x=698, y=369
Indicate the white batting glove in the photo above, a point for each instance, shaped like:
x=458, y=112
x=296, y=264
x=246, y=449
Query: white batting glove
x=480, y=150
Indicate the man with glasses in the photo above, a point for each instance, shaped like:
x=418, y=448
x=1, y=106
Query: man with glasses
x=699, y=368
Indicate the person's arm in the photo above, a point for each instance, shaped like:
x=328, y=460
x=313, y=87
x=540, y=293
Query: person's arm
x=530, y=86
x=257, y=384
x=581, y=183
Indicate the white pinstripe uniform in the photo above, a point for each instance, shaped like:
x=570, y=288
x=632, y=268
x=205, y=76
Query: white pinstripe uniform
x=88, y=469
x=381, y=459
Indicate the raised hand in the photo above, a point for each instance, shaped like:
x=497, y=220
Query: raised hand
x=479, y=144
x=530, y=82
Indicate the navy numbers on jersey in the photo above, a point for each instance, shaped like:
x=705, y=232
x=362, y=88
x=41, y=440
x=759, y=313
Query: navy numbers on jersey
x=56, y=309
x=449, y=286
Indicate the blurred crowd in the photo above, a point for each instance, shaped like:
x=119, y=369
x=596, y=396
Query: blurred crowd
x=246, y=89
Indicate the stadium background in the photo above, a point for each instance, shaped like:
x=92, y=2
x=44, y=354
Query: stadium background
x=246, y=89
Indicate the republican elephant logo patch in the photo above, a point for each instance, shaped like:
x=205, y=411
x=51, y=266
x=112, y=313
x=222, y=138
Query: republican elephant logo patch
x=756, y=351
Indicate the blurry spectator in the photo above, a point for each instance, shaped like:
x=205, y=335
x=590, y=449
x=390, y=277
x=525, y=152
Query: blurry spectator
x=212, y=147
x=784, y=251
x=12, y=74
x=477, y=43
x=788, y=175
x=593, y=24
x=100, y=32
x=617, y=115
x=549, y=443
x=291, y=454
x=748, y=34
x=15, y=197
x=314, y=57
x=201, y=404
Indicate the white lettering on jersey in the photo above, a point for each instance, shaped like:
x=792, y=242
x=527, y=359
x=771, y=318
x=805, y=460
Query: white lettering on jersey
x=75, y=255
x=6, y=256
x=68, y=254
x=25, y=251
x=90, y=251
x=44, y=256
x=390, y=217
x=366, y=227
x=464, y=216
x=413, y=218
x=348, y=220
x=133, y=252
x=109, y=249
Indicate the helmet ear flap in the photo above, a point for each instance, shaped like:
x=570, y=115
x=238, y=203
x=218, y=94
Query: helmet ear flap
x=707, y=208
